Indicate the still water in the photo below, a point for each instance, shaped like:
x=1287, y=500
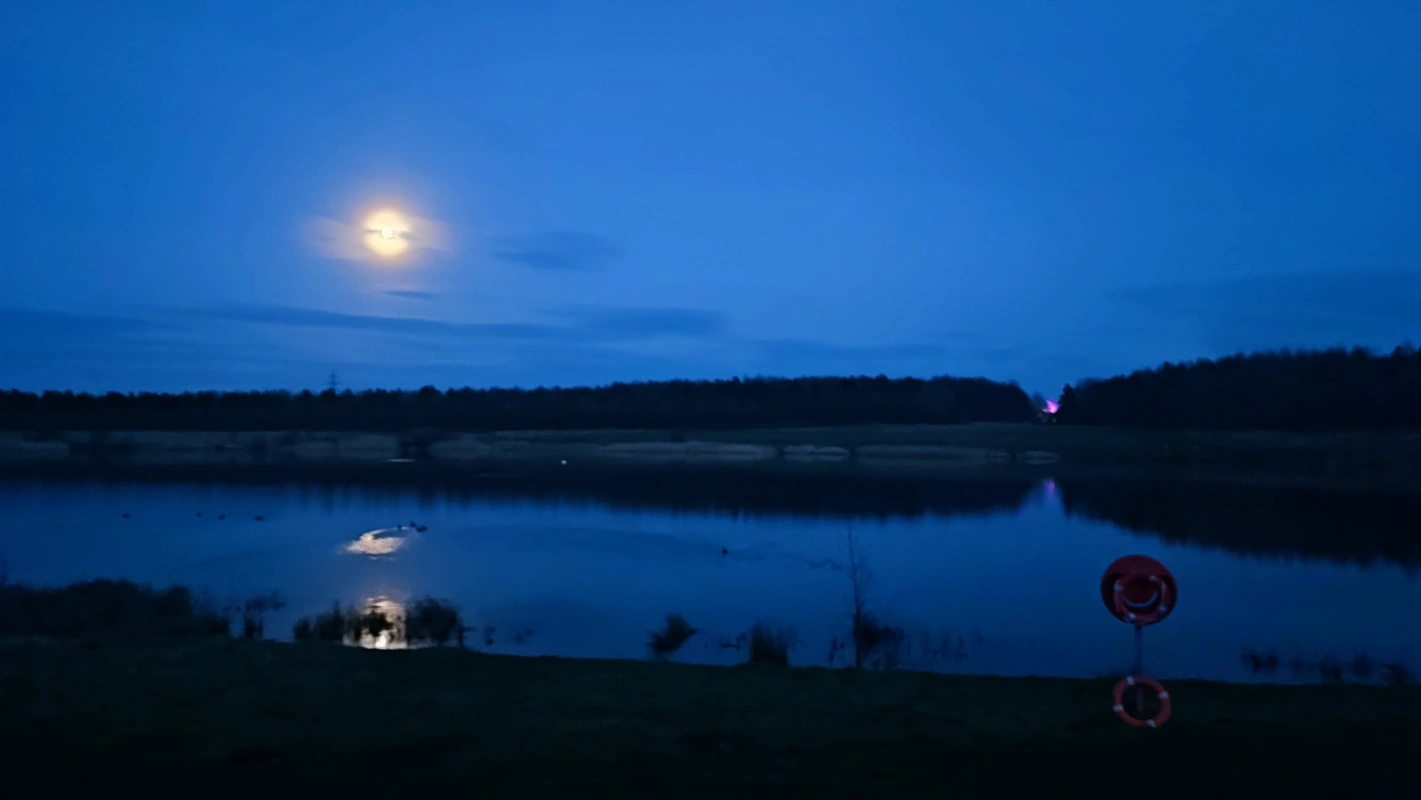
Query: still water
x=998, y=577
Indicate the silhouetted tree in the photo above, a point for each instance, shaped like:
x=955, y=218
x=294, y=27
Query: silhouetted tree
x=1069, y=410
x=754, y=402
x=1283, y=390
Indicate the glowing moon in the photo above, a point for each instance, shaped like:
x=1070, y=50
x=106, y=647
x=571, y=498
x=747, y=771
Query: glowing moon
x=387, y=234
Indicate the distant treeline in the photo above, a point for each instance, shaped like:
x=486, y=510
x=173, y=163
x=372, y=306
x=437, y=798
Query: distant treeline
x=756, y=402
x=1337, y=388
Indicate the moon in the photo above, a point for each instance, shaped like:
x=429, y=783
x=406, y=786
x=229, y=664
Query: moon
x=387, y=234
x=384, y=235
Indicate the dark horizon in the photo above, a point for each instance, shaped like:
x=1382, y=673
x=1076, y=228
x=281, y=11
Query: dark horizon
x=325, y=382
x=1340, y=388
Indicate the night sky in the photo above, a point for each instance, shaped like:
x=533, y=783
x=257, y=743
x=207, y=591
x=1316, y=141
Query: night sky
x=592, y=192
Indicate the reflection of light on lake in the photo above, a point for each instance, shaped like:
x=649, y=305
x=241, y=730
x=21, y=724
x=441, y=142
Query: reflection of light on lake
x=382, y=542
x=391, y=635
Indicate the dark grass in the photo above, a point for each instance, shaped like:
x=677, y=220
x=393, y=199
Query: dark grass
x=109, y=609
x=228, y=717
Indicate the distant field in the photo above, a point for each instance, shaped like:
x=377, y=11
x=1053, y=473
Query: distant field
x=971, y=445
x=229, y=718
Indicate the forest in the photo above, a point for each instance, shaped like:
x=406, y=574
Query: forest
x=736, y=403
x=1339, y=388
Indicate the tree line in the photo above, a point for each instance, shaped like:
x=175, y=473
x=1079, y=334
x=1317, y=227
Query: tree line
x=735, y=403
x=1336, y=388
x=1276, y=390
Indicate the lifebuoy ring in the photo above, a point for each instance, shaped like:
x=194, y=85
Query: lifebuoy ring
x=1138, y=590
x=1164, y=703
x=1155, y=606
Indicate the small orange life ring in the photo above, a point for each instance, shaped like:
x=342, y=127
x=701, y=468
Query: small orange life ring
x=1164, y=704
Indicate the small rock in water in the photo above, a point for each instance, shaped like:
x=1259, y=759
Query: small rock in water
x=125, y=515
x=221, y=516
x=259, y=518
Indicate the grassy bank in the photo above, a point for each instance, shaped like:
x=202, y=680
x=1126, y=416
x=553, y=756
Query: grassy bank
x=227, y=717
x=966, y=445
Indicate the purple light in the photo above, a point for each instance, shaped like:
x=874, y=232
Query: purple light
x=1052, y=407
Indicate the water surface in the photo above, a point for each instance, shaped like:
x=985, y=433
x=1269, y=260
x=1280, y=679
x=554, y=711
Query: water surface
x=998, y=576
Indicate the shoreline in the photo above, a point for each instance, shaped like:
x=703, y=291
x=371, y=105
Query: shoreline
x=231, y=715
x=1346, y=461
x=975, y=444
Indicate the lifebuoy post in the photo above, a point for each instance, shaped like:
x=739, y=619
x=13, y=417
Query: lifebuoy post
x=1140, y=591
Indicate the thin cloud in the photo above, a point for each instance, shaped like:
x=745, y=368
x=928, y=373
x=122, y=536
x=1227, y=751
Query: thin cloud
x=409, y=294
x=1378, y=308
x=24, y=323
x=563, y=252
x=799, y=349
x=581, y=324
x=313, y=318
x=644, y=323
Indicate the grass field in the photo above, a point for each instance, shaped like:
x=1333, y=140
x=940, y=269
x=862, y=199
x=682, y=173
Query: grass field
x=970, y=444
x=229, y=718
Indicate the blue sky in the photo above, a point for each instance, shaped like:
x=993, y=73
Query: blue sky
x=1032, y=190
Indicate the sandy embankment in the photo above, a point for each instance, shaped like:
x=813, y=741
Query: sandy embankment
x=815, y=454
x=937, y=455
x=689, y=451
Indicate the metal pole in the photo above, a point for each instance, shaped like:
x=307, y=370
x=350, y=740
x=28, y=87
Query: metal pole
x=1139, y=669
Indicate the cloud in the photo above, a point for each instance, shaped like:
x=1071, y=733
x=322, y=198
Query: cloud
x=555, y=251
x=798, y=348
x=55, y=338
x=312, y=318
x=409, y=294
x=644, y=323
x=99, y=352
x=19, y=324
x=575, y=325
x=1376, y=308
x=256, y=346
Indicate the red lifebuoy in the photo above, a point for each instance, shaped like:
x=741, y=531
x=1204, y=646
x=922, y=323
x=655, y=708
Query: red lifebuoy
x=1164, y=703
x=1138, y=590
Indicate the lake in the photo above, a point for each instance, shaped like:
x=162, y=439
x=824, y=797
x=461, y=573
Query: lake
x=994, y=575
